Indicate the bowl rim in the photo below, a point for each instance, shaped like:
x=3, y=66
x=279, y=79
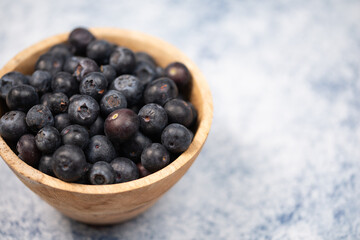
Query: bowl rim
x=36, y=176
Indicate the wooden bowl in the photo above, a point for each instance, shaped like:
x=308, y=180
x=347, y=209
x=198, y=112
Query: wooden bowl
x=117, y=202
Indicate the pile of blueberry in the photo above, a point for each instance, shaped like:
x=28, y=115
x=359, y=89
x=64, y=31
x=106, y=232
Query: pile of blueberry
x=93, y=112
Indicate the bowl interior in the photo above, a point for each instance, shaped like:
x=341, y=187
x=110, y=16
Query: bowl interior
x=163, y=53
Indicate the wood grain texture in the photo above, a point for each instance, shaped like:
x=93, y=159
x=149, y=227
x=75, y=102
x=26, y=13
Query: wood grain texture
x=117, y=202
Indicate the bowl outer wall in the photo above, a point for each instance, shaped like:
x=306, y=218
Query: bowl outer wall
x=117, y=202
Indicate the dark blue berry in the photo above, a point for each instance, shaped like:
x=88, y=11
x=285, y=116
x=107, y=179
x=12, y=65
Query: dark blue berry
x=50, y=62
x=176, y=138
x=80, y=38
x=109, y=72
x=130, y=86
x=41, y=81
x=71, y=64
x=28, y=152
x=75, y=135
x=111, y=101
x=121, y=124
x=145, y=57
x=123, y=60
x=160, y=91
x=97, y=128
x=155, y=157
x=145, y=72
x=86, y=173
x=134, y=146
x=179, y=111
x=9, y=80
x=64, y=82
x=153, y=119
x=85, y=66
x=179, y=73
x=94, y=84
x=101, y=173
x=100, y=149
x=45, y=98
x=125, y=170
x=22, y=98
x=58, y=103
x=62, y=50
x=194, y=113
x=13, y=125
x=159, y=71
x=45, y=165
x=143, y=172
x=61, y=121
x=83, y=110
x=99, y=51
x=73, y=97
x=48, y=139
x=38, y=117
x=68, y=163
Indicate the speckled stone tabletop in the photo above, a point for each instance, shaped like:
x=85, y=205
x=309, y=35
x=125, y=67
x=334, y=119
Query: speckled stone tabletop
x=282, y=160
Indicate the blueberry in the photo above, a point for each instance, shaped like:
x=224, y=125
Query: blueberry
x=194, y=113
x=94, y=84
x=50, y=62
x=109, y=72
x=101, y=173
x=179, y=73
x=145, y=57
x=85, y=176
x=176, y=138
x=97, y=128
x=28, y=152
x=130, y=86
x=159, y=71
x=62, y=50
x=71, y=64
x=125, y=170
x=134, y=146
x=123, y=60
x=85, y=66
x=153, y=119
x=48, y=139
x=145, y=72
x=73, y=97
x=45, y=165
x=58, y=103
x=179, y=111
x=68, y=163
x=100, y=51
x=160, y=91
x=143, y=172
x=83, y=110
x=100, y=149
x=80, y=38
x=61, y=121
x=41, y=81
x=64, y=82
x=22, y=98
x=45, y=98
x=9, y=80
x=75, y=135
x=13, y=125
x=121, y=124
x=155, y=157
x=111, y=101
x=38, y=117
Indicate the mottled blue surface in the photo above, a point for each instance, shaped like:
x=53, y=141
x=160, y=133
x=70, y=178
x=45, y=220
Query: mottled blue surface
x=283, y=158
